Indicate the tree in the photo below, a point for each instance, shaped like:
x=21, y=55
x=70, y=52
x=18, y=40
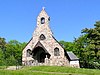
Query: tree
x=14, y=52
x=1, y=57
x=2, y=50
x=11, y=52
x=93, y=36
x=2, y=43
x=68, y=46
x=88, y=47
x=82, y=51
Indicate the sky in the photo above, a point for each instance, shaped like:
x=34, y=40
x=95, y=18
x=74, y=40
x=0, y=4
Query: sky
x=67, y=17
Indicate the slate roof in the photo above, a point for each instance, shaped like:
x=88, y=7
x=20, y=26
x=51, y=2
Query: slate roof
x=72, y=56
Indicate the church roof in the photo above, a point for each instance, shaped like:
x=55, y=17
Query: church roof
x=28, y=43
x=72, y=56
x=57, y=41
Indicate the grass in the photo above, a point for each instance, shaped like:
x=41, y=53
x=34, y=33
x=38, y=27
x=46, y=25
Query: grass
x=2, y=67
x=50, y=70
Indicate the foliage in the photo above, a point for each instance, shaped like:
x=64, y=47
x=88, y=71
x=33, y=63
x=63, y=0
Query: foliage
x=2, y=43
x=11, y=52
x=2, y=50
x=82, y=51
x=93, y=44
x=14, y=52
x=86, y=47
x=69, y=46
x=93, y=36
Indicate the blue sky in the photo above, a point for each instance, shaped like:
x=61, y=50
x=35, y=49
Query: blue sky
x=68, y=17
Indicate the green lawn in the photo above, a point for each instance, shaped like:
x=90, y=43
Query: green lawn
x=2, y=67
x=50, y=70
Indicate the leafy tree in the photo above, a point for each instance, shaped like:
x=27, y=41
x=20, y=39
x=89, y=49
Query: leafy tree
x=14, y=51
x=88, y=47
x=93, y=36
x=11, y=52
x=2, y=43
x=82, y=51
x=2, y=50
x=69, y=46
x=1, y=57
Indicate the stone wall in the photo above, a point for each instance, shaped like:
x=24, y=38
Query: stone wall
x=49, y=43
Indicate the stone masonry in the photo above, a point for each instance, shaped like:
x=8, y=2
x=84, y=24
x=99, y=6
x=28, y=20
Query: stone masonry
x=43, y=48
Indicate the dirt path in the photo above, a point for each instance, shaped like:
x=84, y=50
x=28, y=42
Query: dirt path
x=13, y=67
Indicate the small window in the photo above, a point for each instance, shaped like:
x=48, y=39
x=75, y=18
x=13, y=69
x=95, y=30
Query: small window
x=56, y=52
x=42, y=37
x=42, y=20
x=29, y=53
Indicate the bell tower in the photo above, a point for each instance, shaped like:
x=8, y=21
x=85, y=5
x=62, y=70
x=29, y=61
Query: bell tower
x=42, y=27
x=43, y=18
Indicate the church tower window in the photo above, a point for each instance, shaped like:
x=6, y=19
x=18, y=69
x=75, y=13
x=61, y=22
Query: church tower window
x=56, y=52
x=42, y=37
x=42, y=20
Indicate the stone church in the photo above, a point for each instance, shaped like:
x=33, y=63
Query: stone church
x=43, y=48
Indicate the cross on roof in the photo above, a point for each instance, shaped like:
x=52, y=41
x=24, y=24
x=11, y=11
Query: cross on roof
x=43, y=8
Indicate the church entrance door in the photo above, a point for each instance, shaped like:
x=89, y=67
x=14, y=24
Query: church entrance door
x=39, y=54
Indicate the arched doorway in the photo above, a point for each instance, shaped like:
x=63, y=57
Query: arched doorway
x=40, y=54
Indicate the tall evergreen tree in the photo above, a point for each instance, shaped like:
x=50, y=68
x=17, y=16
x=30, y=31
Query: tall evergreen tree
x=93, y=36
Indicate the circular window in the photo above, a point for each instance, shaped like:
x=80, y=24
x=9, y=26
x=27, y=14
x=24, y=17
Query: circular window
x=42, y=37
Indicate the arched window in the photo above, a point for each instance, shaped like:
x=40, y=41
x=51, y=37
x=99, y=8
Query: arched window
x=42, y=37
x=29, y=53
x=42, y=20
x=56, y=52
